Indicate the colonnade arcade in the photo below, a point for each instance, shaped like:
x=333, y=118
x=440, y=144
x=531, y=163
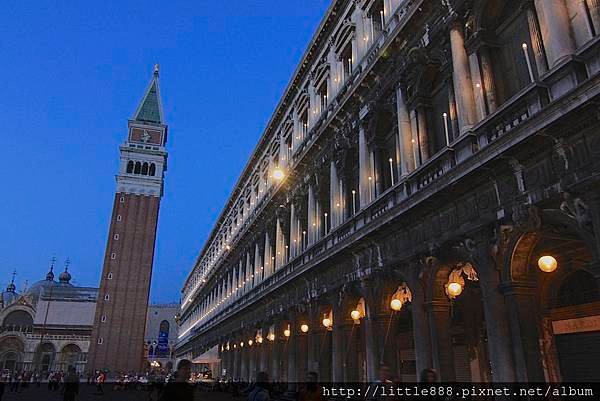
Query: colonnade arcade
x=481, y=309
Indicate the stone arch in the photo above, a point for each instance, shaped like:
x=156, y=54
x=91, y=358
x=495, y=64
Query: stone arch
x=523, y=243
x=70, y=355
x=45, y=355
x=12, y=349
x=18, y=318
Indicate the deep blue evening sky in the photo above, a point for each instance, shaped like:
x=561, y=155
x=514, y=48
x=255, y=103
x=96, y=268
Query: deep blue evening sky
x=73, y=72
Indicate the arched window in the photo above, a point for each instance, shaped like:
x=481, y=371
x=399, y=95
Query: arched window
x=129, y=167
x=145, y=169
x=18, y=318
x=162, y=348
x=70, y=355
x=164, y=327
x=152, y=169
x=138, y=168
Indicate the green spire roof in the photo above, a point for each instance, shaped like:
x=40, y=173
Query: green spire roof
x=150, y=108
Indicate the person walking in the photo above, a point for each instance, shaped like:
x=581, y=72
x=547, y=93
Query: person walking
x=100, y=379
x=71, y=384
x=260, y=391
x=180, y=389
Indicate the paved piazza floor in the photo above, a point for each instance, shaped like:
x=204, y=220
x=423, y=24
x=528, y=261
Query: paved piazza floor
x=88, y=393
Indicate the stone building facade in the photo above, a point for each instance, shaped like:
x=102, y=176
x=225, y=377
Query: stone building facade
x=161, y=336
x=46, y=327
x=425, y=195
x=119, y=324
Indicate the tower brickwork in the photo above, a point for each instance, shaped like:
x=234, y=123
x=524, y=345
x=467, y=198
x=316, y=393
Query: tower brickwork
x=117, y=342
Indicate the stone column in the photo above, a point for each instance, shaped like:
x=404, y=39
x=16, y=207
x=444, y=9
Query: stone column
x=497, y=326
x=414, y=128
x=236, y=361
x=313, y=342
x=371, y=294
x=335, y=196
x=523, y=315
x=252, y=361
x=423, y=136
x=276, y=346
x=476, y=78
x=294, y=246
x=279, y=246
x=264, y=351
x=594, y=7
x=537, y=44
x=313, y=217
x=267, y=261
x=371, y=335
x=337, y=345
x=488, y=78
x=292, y=377
x=555, y=29
x=364, y=163
x=407, y=157
x=441, y=339
x=461, y=76
x=244, y=371
x=421, y=331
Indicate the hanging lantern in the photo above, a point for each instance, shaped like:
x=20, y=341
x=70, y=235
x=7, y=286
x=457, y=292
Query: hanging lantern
x=271, y=335
x=359, y=311
x=395, y=304
x=304, y=328
x=547, y=263
x=400, y=297
x=456, y=283
x=328, y=320
x=259, y=337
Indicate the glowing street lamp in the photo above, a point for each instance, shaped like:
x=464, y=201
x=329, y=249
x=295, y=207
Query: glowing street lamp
x=547, y=263
x=304, y=328
x=278, y=174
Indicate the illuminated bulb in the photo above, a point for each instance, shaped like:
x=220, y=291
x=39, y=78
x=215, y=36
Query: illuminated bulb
x=242, y=344
x=454, y=289
x=304, y=328
x=259, y=340
x=547, y=263
x=396, y=304
x=250, y=342
x=524, y=46
x=355, y=315
x=271, y=337
x=327, y=322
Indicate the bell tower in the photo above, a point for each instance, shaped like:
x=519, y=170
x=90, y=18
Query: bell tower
x=117, y=342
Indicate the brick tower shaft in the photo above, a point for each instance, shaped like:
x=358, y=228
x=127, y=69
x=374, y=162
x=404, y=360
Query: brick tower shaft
x=117, y=342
